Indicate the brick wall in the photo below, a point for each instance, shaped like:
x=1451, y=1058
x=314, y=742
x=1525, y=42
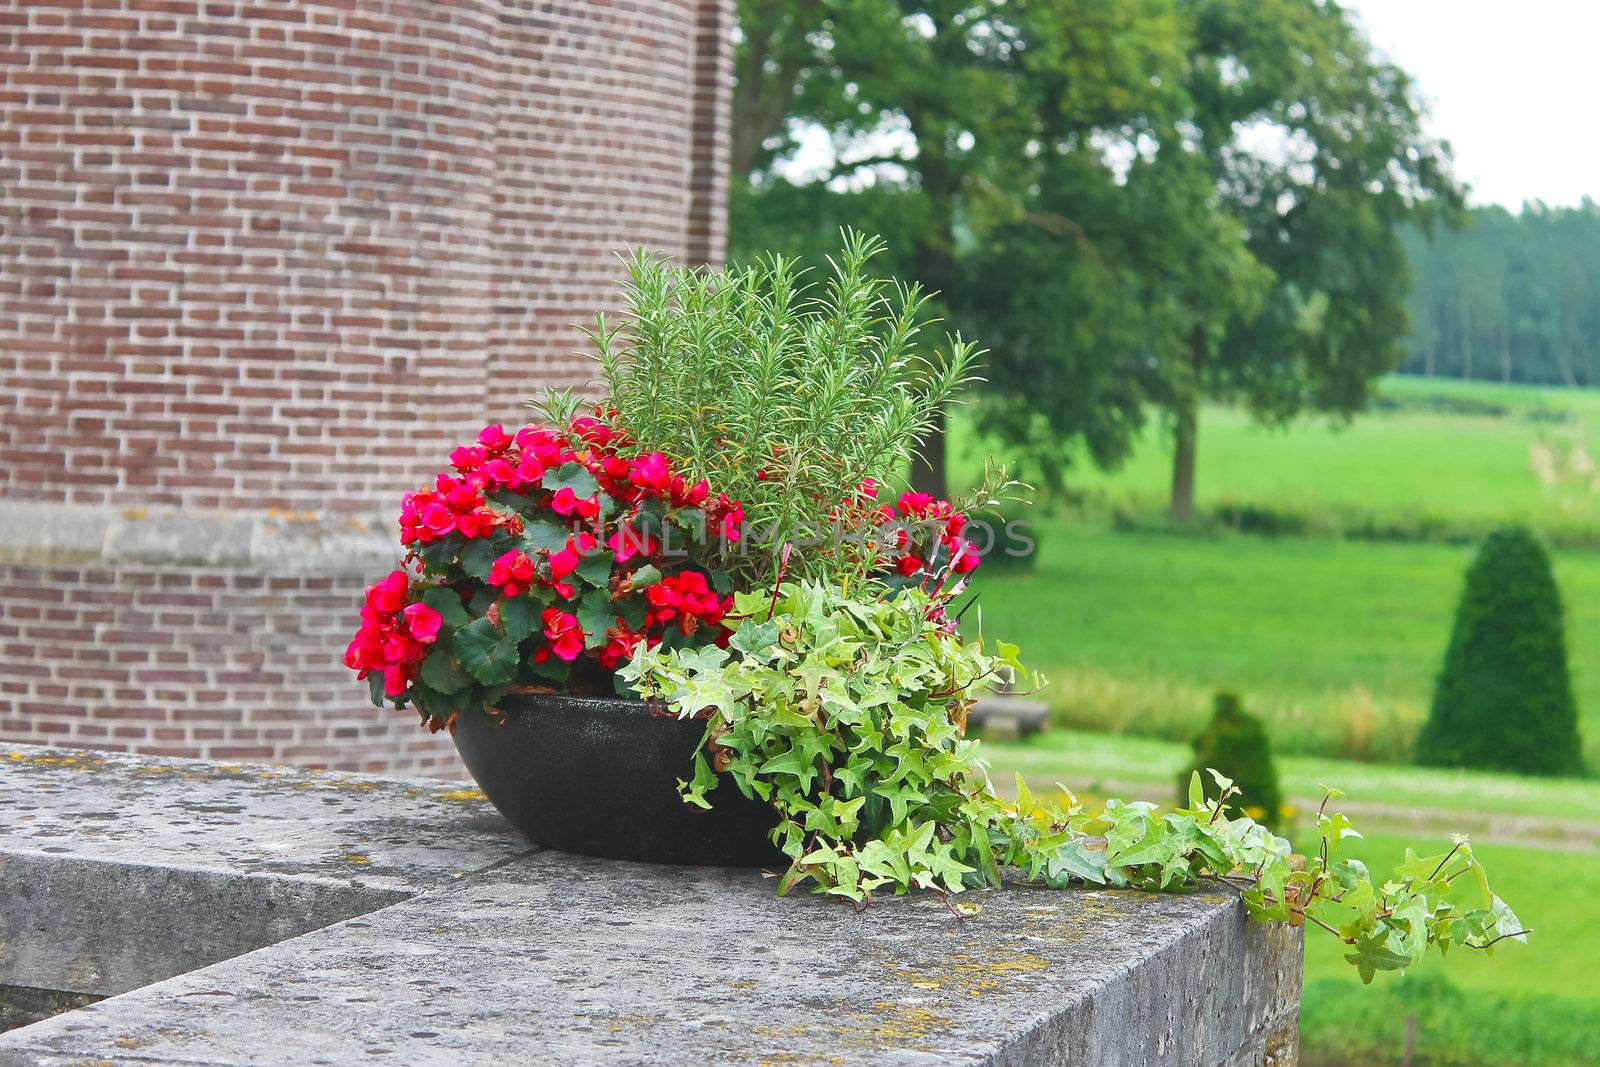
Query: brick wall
x=214, y=662
x=279, y=256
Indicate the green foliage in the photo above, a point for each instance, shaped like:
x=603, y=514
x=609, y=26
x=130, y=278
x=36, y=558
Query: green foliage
x=846, y=712
x=1514, y=297
x=1235, y=743
x=1504, y=699
x=784, y=395
x=989, y=93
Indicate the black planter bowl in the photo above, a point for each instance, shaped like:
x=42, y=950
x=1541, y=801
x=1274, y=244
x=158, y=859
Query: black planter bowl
x=599, y=777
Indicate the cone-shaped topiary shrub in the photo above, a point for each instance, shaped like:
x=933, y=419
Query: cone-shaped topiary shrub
x=1504, y=699
x=1235, y=743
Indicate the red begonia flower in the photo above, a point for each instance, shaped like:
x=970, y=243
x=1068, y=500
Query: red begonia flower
x=494, y=438
x=511, y=573
x=423, y=622
x=563, y=632
x=650, y=472
x=628, y=542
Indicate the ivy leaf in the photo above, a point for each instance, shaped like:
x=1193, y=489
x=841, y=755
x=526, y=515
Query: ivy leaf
x=1373, y=954
x=722, y=582
x=794, y=763
x=519, y=616
x=753, y=638
x=486, y=653
x=705, y=780
x=1074, y=860
x=447, y=602
x=440, y=671
x=946, y=868
x=574, y=476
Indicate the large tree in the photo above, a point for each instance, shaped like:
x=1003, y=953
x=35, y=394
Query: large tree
x=1318, y=150
x=1134, y=204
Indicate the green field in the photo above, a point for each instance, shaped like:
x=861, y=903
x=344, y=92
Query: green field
x=1334, y=640
x=1335, y=643
x=1527, y=1004
x=1455, y=457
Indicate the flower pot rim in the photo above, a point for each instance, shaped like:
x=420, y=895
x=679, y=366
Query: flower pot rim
x=511, y=702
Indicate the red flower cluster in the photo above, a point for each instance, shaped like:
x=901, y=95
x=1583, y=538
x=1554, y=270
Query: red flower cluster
x=452, y=506
x=512, y=573
x=687, y=599
x=488, y=532
x=925, y=523
x=394, y=637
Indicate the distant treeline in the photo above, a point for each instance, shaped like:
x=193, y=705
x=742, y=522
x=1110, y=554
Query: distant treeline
x=1509, y=297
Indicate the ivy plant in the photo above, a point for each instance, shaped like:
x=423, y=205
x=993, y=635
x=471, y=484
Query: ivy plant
x=846, y=711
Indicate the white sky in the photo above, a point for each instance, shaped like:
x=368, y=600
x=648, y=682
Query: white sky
x=1512, y=85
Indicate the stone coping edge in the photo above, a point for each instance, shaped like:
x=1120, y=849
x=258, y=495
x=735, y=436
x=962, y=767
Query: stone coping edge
x=54, y=534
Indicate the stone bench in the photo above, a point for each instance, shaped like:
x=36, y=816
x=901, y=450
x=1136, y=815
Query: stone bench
x=254, y=915
x=1001, y=715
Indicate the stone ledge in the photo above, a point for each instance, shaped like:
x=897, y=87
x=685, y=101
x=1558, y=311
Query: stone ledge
x=52, y=534
x=501, y=954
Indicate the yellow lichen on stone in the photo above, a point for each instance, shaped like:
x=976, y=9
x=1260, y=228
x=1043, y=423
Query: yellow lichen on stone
x=80, y=763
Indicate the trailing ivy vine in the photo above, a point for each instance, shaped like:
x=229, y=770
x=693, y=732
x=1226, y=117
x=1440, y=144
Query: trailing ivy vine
x=847, y=711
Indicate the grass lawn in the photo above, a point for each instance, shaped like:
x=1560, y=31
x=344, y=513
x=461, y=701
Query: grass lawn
x=1335, y=643
x=1092, y=761
x=1528, y=1004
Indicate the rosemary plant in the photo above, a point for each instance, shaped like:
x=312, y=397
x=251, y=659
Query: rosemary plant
x=785, y=394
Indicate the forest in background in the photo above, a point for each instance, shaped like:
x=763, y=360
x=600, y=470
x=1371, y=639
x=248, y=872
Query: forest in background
x=1508, y=297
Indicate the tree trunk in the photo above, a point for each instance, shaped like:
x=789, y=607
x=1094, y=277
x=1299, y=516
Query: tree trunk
x=1187, y=432
x=1183, y=454
x=935, y=266
x=929, y=471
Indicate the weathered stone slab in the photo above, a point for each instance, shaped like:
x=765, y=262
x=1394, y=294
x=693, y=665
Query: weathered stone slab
x=86, y=926
x=348, y=829
x=561, y=959
x=117, y=871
